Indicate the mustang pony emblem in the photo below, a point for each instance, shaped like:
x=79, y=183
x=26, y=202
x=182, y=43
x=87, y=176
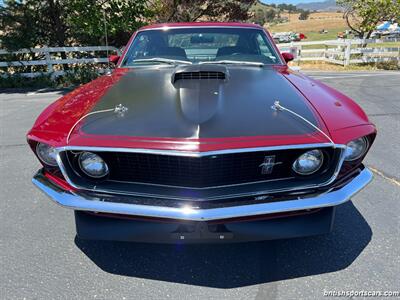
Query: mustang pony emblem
x=268, y=165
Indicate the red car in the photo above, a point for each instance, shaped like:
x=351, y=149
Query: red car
x=202, y=134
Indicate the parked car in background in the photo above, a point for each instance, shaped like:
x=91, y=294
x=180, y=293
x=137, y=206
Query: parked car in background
x=387, y=30
x=287, y=37
x=202, y=134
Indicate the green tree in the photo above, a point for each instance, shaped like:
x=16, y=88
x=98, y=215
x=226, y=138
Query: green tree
x=270, y=15
x=86, y=20
x=304, y=15
x=259, y=17
x=195, y=10
x=288, y=7
x=362, y=16
x=31, y=23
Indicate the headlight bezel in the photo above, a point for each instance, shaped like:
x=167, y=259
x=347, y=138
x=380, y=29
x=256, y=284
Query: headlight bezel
x=361, y=154
x=314, y=171
x=85, y=172
x=49, y=160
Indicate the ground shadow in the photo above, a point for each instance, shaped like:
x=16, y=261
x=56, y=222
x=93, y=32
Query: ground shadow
x=237, y=265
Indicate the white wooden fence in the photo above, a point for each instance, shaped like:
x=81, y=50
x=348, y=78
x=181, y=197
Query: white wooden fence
x=51, y=59
x=343, y=52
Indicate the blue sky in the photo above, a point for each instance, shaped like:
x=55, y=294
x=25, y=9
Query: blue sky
x=289, y=1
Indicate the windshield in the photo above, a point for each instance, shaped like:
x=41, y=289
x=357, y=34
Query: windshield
x=201, y=45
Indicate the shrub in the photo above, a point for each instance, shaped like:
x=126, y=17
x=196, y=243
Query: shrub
x=79, y=75
x=18, y=81
x=388, y=65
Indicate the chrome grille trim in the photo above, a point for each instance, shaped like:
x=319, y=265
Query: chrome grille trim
x=200, y=154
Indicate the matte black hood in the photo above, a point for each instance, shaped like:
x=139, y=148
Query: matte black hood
x=207, y=105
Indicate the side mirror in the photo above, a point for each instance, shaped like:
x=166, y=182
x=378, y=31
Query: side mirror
x=114, y=59
x=287, y=56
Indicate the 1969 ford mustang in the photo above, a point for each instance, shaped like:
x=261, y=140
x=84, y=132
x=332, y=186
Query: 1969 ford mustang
x=202, y=134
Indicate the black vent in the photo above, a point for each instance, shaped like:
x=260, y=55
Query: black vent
x=199, y=75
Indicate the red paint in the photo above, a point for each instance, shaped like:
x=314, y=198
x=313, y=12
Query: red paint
x=114, y=59
x=344, y=118
x=287, y=56
x=201, y=24
x=345, y=135
x=59, y=181
x=344, y=122
x=54, y=123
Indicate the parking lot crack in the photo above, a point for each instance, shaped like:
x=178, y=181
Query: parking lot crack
x=386, y=177
x=13, y=145
x=384, y=114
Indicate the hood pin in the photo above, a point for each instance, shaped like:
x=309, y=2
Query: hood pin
x=120, y=110
x=278, y=107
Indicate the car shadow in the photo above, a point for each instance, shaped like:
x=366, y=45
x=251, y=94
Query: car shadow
x=237, y=265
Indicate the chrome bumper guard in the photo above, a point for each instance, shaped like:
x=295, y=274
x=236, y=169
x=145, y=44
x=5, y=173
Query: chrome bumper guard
x=96, y=204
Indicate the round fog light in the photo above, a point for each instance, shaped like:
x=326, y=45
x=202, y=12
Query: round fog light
x=309, y=162
x=92, y=165
x=47, y=154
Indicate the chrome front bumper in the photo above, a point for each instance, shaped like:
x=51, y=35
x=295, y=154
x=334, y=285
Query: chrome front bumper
x=94, y=203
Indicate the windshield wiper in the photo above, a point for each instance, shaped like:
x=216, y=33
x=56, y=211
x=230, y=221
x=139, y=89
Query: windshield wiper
x=233, y=62
x=162, y=60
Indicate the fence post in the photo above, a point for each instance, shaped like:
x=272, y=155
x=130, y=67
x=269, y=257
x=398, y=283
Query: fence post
x=326, y=57
x=50, y=68
x=347, y=53
x=299, y=50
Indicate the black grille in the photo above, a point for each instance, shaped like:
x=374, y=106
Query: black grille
x=208, y=171
x=199, y=75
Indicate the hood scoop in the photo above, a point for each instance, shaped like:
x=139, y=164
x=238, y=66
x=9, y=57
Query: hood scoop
x=199, y=72
x=200, y=90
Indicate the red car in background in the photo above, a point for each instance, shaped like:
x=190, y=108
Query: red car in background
x=202, y=134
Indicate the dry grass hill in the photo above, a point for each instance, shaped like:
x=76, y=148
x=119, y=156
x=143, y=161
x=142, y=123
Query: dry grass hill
x=333, y=22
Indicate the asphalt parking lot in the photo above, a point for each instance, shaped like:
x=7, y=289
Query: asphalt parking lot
x=42, y=259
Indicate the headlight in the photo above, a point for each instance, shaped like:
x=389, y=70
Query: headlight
x=92, y=165
x=309, y=162
x=46, y=154
x=355, y=149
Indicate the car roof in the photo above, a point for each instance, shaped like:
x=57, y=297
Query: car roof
x=202, y=24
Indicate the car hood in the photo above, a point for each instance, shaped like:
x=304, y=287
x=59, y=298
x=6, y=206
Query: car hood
x=169, y=107
x=159, y=105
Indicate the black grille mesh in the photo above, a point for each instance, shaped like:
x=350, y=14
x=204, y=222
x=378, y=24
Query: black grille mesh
x=199, y=75
x=198, y=172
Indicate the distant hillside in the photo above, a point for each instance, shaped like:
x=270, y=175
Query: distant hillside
x=332, y=22
x=328, y=5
